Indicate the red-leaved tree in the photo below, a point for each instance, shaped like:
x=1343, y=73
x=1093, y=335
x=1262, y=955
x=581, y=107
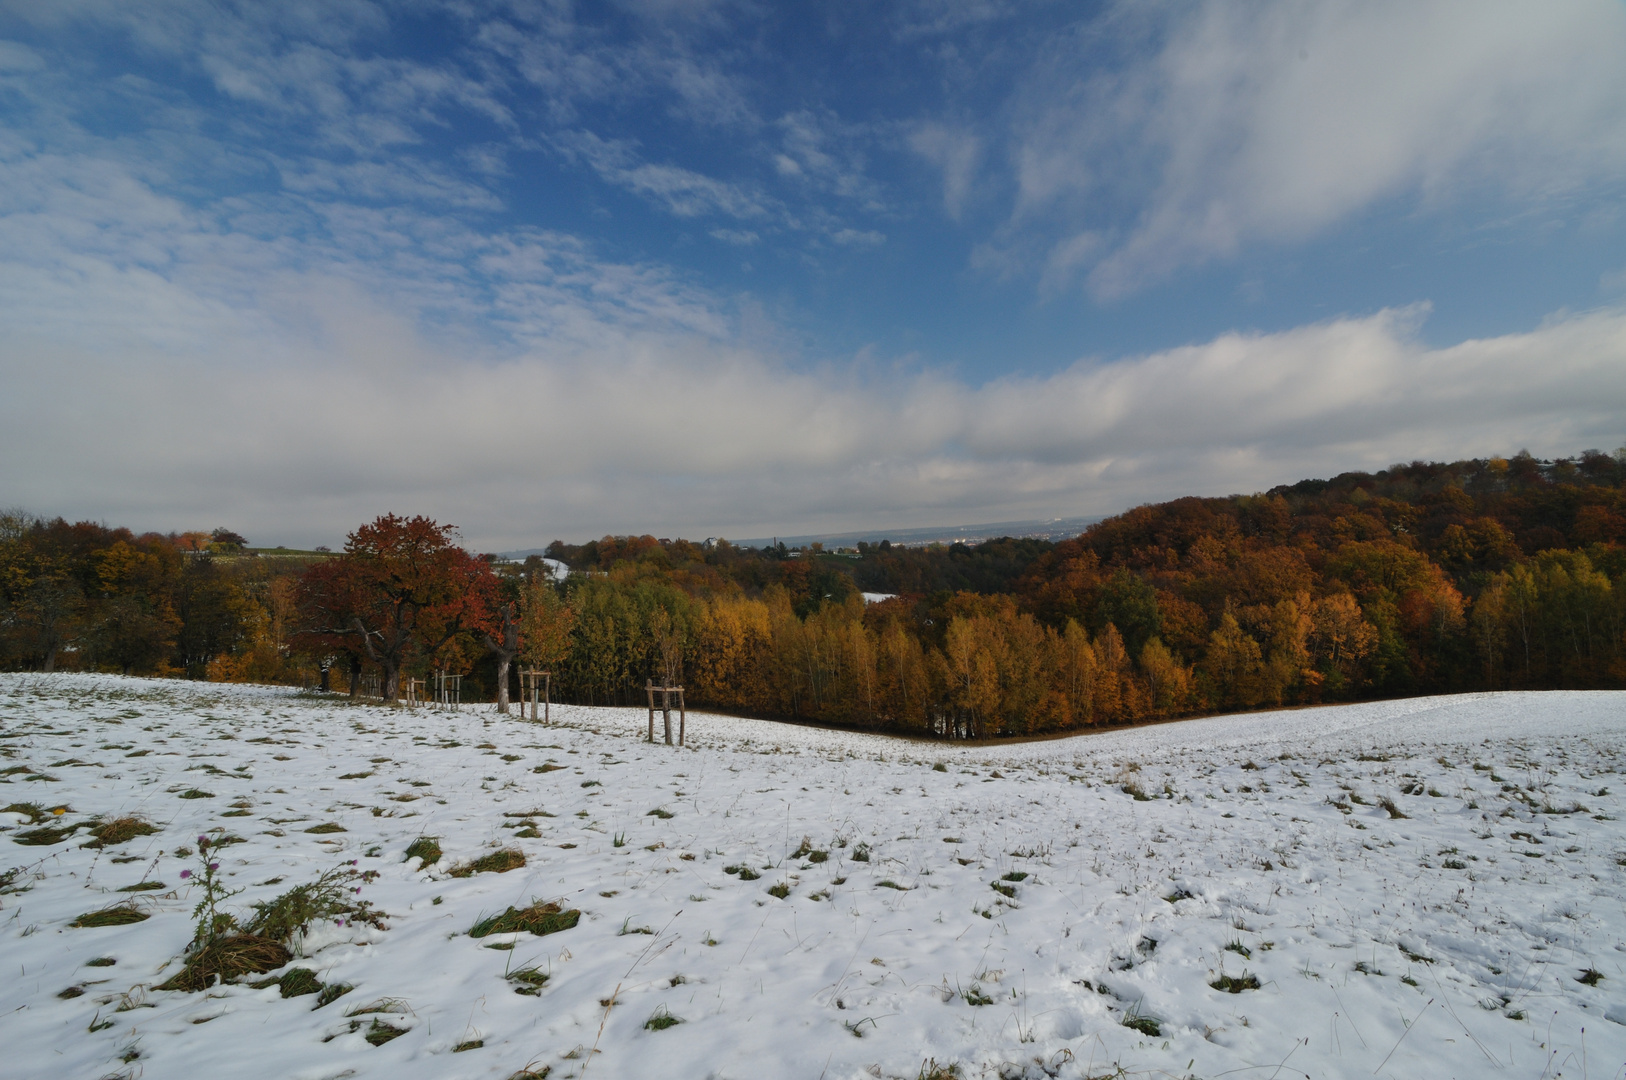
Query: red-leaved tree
x=401, y=589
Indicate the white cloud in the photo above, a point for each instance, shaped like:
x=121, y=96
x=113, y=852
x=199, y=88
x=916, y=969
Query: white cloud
x=1271, y=123
x=681, y=191
x=957, y=153
x=293, y=394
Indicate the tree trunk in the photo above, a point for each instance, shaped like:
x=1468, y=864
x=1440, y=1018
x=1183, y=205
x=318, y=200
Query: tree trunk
x=355, y=677
x=392, y=679
x=504, y=659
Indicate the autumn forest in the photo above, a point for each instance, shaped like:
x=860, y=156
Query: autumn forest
x=1424, y=578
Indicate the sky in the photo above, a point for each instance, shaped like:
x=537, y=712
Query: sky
x=711, y=268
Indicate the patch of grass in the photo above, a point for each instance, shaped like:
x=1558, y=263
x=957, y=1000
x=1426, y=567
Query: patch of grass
x=1178, y=895
x=782, y=890
x=1454, y=864
x=527, y=833
x=355, y=776
x=1389, y=805
x=299, y=982
x=1366, y=969
x=120, y=914
x=818, y=856
x=143, y=886
x=101, y=961
x=197, y=793
x=43, y=836
x=745, y=872
x=533, y=1074
x=238, y=813
x=1015, y=875
x=34, y=812
x=327, y=827
x=1590, y=977
x=378, y=1033
x=940, y=767
x=658, y=812
x=119, y=831
x=330, y=993
x=226, y=958
x=1230, y=984
x=468, y=1044
x=931, y=1070
x=860, y=852
x=498, y=862
x=1146, y=1025
x=1235, y=945
x=426, y=848
x=661, y=1020
x=538, y=919
x=975, y=996
x=530, y=981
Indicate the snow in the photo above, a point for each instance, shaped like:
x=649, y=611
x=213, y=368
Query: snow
x=1447, y=943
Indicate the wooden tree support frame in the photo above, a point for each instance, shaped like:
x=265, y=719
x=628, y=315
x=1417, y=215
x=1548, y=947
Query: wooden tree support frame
x=533, y=684
x=666, y=693
x=448, y=689
x=412, y=691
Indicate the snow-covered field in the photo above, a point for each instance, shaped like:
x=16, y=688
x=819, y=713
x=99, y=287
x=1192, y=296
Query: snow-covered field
x=1017, y=904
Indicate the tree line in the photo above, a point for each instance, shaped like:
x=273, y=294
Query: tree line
x=1423, y=578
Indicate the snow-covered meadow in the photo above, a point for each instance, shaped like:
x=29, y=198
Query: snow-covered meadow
x=815, y=904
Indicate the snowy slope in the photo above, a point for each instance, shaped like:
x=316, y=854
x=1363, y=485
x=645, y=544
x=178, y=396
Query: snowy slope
x=1447, y=943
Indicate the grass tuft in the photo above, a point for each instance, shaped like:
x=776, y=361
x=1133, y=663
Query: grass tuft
x=327, y=827
x=119, y=831
x=299, y=982
x=227, y=958
x=44, y=836
x=781, y=890
x=661, y=1020
x=426, y=848
x=538, y=919
x=530, y=980
x=1590, y=977
x=1236, y=984
x=197, y=793
x=498, y=862
x=121, y=914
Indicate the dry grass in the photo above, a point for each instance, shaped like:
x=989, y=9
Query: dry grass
x=498, y=862
x=120, y=914
x=327, y=827
x=228, y=958
x=120, y=830
x=538, y=919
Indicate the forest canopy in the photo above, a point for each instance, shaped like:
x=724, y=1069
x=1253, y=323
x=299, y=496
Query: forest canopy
x=1423, y=578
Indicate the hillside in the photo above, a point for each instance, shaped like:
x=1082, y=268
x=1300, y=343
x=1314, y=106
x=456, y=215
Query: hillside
x=1417, y=888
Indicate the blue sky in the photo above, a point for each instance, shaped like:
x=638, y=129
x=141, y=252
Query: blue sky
x=549, y=269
